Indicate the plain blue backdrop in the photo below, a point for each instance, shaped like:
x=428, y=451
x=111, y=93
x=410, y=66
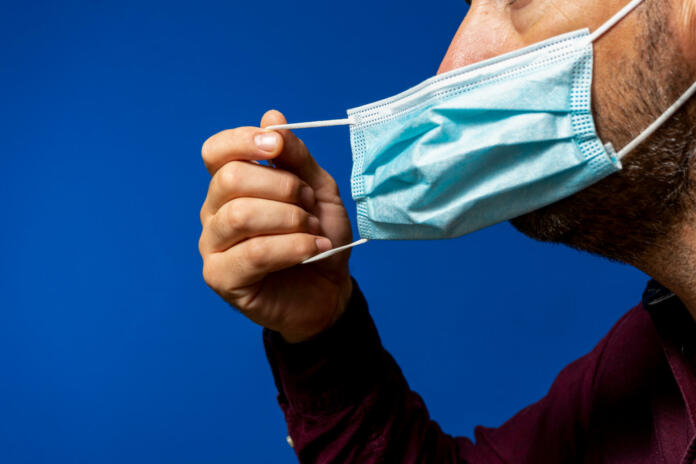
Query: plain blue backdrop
x=112, y=348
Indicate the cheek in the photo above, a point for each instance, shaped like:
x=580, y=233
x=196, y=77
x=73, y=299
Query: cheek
x=525, y=15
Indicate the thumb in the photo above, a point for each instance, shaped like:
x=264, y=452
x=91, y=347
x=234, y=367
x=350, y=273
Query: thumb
x=295, y=157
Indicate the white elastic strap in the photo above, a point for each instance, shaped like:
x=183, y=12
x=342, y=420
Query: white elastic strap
x=614, y=19
x=658, y=122
x=307, y=125
x=334, y=251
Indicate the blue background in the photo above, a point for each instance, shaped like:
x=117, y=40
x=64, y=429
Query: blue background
x=112, y=348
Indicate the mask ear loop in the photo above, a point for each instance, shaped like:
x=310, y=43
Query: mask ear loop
x=658, y=122
x=334, y=251
x=308, y=125
x=348, y=121
x=670, y=111
x=623, y=12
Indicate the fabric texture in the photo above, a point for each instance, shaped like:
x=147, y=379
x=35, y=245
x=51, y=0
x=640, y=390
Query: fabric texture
x=630, y=400
x=480, y=144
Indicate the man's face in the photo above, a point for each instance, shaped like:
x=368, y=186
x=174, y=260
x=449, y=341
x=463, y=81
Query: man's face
x=641, y=66
x=494, y=27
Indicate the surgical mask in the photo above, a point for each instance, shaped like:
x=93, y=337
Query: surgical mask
x=481, y=144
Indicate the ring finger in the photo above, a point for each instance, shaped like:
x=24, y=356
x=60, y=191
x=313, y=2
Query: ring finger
x=243, y=218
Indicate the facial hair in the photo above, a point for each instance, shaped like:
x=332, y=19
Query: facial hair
x=628, y=214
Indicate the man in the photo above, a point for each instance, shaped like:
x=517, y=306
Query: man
x=631, y=400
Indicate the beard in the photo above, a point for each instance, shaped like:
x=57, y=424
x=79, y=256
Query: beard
x=625, y=216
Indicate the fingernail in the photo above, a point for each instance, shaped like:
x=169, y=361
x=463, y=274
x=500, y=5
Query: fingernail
x=323, y=244
x=307, y=196
x=313, y=223
x=268, y=141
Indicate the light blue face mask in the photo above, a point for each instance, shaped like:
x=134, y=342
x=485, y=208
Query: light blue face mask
x=481, y=144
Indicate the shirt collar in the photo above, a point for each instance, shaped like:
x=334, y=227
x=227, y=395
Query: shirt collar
x=655, y=294
x=677, y=331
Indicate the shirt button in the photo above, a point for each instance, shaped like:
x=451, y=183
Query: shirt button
x=290, y=442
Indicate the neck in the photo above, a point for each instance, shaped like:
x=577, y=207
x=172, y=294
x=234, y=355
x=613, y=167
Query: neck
x=673, y=264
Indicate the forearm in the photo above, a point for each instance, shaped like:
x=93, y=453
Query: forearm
x=346, y=400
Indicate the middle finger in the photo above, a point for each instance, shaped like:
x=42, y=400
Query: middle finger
x=239, y=179
x=243, y=218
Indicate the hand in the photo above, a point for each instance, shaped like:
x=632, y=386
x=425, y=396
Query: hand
x=259, y=224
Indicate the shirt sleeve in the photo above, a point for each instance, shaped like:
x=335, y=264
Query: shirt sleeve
x=346, y=400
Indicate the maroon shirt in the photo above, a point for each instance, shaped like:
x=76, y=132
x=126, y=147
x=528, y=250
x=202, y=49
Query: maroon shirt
x=631, y=400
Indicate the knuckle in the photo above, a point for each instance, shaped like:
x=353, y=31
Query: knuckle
x=304, y=246
x=202, y=215
x=205, y=212
x=291, y=188
x=201, y=246
x=332, y=186
x=258, y=253
x=210, y=274
x=229, y=176
x=218, y=230
x=230, y=221
x=206, y=150
x=236, y=216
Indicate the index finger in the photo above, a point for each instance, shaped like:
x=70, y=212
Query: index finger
x=240, y=144
x=295, y=157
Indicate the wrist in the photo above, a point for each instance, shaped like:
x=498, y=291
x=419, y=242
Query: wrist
x=343, y=296
x=333, y=369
